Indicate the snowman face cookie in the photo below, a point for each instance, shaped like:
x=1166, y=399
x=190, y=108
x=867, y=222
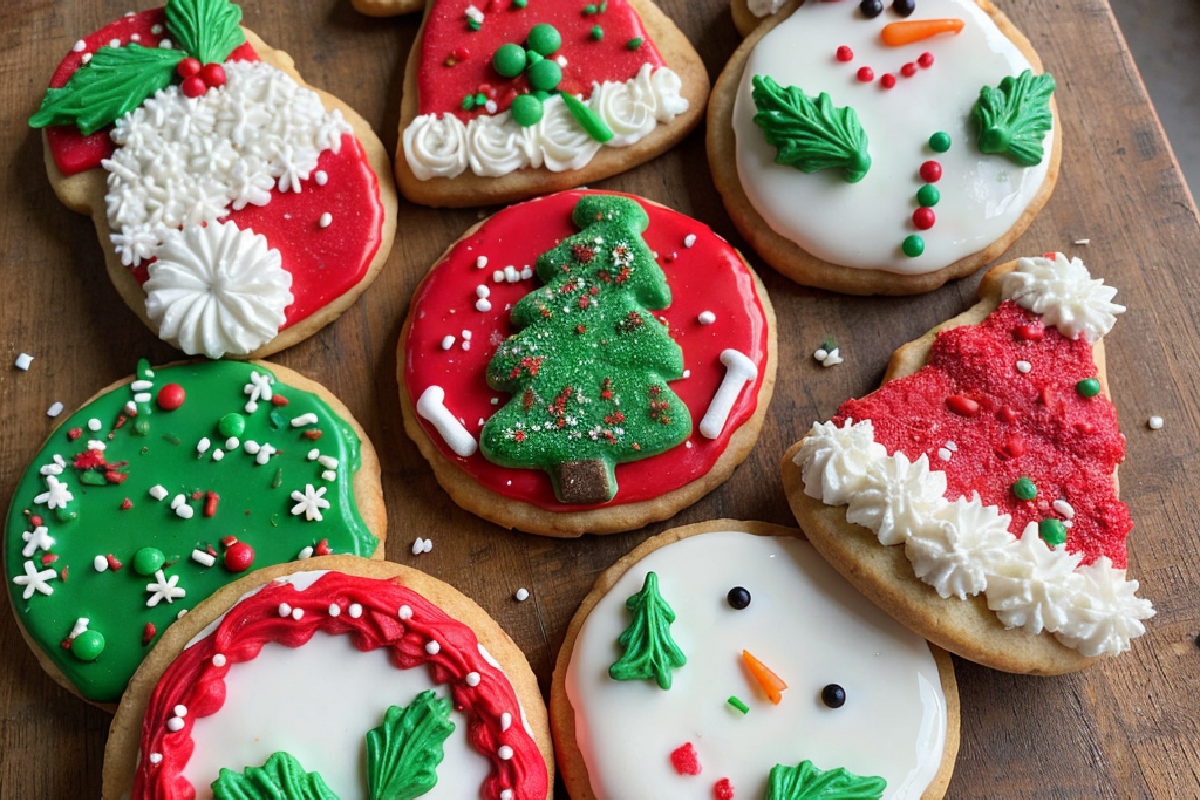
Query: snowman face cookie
x=239, y=210
x=885, y=153
x=728, y=659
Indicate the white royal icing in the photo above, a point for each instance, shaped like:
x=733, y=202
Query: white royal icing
x=217, y=289
x=1064, y=292
x=185, y=161
x=892, y=725
x=965, y=548
x=862, y=224
x=442, y=146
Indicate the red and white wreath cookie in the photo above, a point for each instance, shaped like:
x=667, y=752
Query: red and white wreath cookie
x=239, y=209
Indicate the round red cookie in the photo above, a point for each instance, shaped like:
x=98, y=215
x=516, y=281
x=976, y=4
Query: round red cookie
x=717, y=304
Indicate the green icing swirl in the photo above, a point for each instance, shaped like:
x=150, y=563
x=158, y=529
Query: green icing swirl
x=806, y=782
x=1012, y=119
x=255, y=506
x=280, y=778
x=650, y=652
x=809, y=134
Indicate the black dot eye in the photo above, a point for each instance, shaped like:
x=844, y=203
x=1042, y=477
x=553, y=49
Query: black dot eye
x=871, y=8
x=904, y=8
x=833, y=696
x=738, y=597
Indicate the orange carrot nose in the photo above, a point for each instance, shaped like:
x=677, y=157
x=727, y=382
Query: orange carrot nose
x=898, y=34
x=771, y=684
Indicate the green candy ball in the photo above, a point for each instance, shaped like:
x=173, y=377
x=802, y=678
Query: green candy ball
x=913, y=246
x=940, y=142
x=509, y=60
x=1052, y=531
x=545, y=75
x=1024, y=489
x=928, y=196
x=526, y=110
x=544, y=39
x=63, y=514
x=1089, y=387
x=148, y=560
x=232, y=424
x=88, y=645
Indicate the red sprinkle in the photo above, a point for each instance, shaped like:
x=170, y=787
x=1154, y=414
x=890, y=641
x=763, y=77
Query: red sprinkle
x=685, y=760
x=74, y=434
x=926, y=60
x=1030, y=333
x=961, y=404
x=1014, y=447
x=322, y=548
x=924, y=218
x=462, y=54
x=278, y=400
x=35, y=519
x=126, y=504
x=62, y=576
x=866, y=74
x=1006, y=415
x=48, y=559
x=844, y=53
x=196, y=495
x=888, y=80
x=1085, y=427
x=210, y=503
x=931, y=172
x=723, y=789
x=148, y=633
x=229, y=541
x=171, y=396
x=312, y=434
x=239, y=557
x=113, y=562
x=908, y=70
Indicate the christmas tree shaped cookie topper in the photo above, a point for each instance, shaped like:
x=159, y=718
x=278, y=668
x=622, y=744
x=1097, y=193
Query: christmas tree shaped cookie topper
x=589, y=367
x=650, y=652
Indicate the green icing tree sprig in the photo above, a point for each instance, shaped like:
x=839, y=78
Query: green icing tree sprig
x=806, y=782
x=281, y=776
x=810, y=134
x=1012, y=119
x=650, y=652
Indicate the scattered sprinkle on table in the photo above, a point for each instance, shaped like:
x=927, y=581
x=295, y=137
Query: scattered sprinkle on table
x=1155, y=423
x=23, y=361
x=522, y=594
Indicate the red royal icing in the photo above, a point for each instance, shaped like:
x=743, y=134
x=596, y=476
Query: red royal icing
x=194, y=682
x=441, y=88
x=1007, y=425
x=709, y=276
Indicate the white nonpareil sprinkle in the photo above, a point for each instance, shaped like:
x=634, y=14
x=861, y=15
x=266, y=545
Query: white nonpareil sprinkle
x=218, y=660
x=706, y=318
x=527, y=273
x=80, y=46
x=184, y=512
x=141, y=397
x=482, y=291
x=472, y=679
x=203, y=558
x=157, y=757
x=833, y=359
x=313, y=454
x=232, y=443
x=86, y=58
x=505, y=752
x=943, y=454
x=251, y=447
x=321, y=177
x=491, y=107
x=100, y=564
x=114, y=42
x=141, y=385
x=522, y=594
x=96, y=444
x=421, y=546
x=304, y=419
x=54, y=410
x=505, y=721
x=284, y=609
x=448, y=342
x=432, y=647
x=335, y=610
x=328, y=462
x=466, y=335
x=952, y=447
x=94, y=424
x=297, y=614
x=178, y=500
x=354, y=610
x=264, y=454
x=174, y=724
x=466, y=345
x=506, y=794
x=404, y=613
x=130, y=408
x=498, y=276
x=1024, y=367
x=80, y=626
x=481, y=262
x=218, y=454
x=689, y=240
x=158, y=493
x=1064, y=508
x=181, y=711
x=23, y=361
x=1155, y=423
x=482, y=304
x=329, y=476
x=305, y=552
x=326, y=220
x=821, y=354
x=203, y=445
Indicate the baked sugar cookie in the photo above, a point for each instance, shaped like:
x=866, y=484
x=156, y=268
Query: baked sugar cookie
x=387, y=8
x=239, y=210
x=340, y=677
x=727, y=659
x=506, y=100
x=883, y=154
x=974, y=495
x=164, y=488
x=587, y=362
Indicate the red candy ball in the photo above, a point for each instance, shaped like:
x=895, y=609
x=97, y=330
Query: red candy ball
x=188, y=67
x=239, y=557
x=926, y=60
x=171, y=396
x=924, y=218
x=194, y=86
x=931, y=172
x=844, y=53
x=908, y=70
x=866, y=74
x=888, y=80
x=213, y=75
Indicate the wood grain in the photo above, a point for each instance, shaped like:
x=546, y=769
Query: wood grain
x=1125, y=728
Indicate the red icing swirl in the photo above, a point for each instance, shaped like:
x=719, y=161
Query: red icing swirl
x=192, y=680
x=708, y=276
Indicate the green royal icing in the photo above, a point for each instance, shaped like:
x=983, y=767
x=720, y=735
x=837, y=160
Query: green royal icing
x=280, y=778
x=809, y=134
x=403, y=752
x=255, y=506
x=588, y=369
x=806, y=782
x=650, y=652
x=1012, y=120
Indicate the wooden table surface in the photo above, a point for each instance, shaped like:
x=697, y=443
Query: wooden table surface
x=1128, y=727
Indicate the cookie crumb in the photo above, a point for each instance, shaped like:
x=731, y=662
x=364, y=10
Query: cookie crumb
x=23, y=361
x=522, y=595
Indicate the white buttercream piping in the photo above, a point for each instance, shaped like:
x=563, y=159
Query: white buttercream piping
x=1065, y=294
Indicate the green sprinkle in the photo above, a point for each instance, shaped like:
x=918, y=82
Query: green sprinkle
x=88, y=645
x=1024, y=489
x=928, y=196
x=597, y=33
x=1088, y=388
x=468, y=102
x=480, y=99
x=940, y=142
x=171, y=438
x=141, y=427
x=277, y=420
x=148, y=561
x=1052, y=531
x=474, y=25
x=604, y=6
x=588, y=120
x=232, y=424
x=277, y=481
x=509, y=60
x=913, y=246
x=65, y=514
x=634, y=43
x=92, y=478
x=519, y=3
x=738, y=704
x=589, y=9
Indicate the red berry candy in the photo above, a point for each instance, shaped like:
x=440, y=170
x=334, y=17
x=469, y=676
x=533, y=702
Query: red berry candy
x=723, y=790
x=931, y=172
x=213, y=75
x=239, y=557
x=844, y=53
x=908, y=70
x=193, y=86
x=924, y=218
x=888, y=80
x=188, y=67
x=1030, y=332
x=171, y=396
x=925, y=60
x=866, y=74
x=685, y=760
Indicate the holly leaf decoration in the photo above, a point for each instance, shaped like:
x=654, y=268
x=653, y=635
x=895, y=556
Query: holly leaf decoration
x=209, y=30
x=403, y=753
x=809, y=134
x=281, y=778
x=650, y=652
x=806, y=782
x=114, y=82
x=1012, y=119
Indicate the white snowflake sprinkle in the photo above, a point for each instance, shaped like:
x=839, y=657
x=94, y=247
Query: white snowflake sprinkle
x=35, y=581
x=164, y=589
x=310, y=502
x=57, y=495
x=37, y=539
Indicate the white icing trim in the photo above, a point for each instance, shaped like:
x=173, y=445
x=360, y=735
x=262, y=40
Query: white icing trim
x=1065, y=294
x=493, y=145
x=960, y=548
x=431, y=405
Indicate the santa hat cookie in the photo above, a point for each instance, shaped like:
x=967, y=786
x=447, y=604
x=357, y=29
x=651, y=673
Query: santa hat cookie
x=586, y=363
x=727, y=659
x=239, y=210
x=505, y=100
x=974, y=495
x=339, y=677
x=162, y=489
x=883, y=148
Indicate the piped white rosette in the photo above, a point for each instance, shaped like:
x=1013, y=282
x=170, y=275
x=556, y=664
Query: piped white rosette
x=442, y=146
x=965, y=548
x=182, y=163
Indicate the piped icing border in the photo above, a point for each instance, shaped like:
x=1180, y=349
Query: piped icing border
x=376, y=613
x=965, y=548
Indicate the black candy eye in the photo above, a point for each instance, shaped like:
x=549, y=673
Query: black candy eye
x=904, y=8
x=738, y=597
x=871, y=8
x=833, y=696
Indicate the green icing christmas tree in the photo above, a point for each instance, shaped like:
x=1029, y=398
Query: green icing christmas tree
x=589, y=365
x=650, y=652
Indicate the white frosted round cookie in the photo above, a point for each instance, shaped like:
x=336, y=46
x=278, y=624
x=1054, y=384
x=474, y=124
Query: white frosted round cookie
x=863, y=695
